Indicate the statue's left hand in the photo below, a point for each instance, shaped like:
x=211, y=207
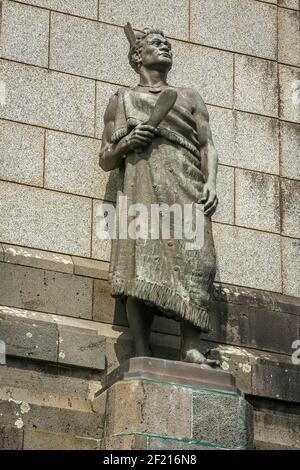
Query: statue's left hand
x=209, y=199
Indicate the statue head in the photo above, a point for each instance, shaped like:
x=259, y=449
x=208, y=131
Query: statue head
x=150, y=49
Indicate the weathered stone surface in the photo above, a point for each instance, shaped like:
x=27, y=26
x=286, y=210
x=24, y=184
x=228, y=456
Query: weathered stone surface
x=44, y=219
x=104, y=92
x=1, y=252
x=101, y=248
x=80, y=47
x=46, y=291
x=225, y=191
x=22, y=153
x=256, y=251
x=72, y=165
x=289, y=79
x=291, y=266
x=245, y=140
x=81, y=347
x=43, y=440
x=294, y=4
x=45, y=98
x=28, y=338
x=38, y=259
x=136, y=415
x=24, y=33
x=207, y=70
x=288, y=36
x=291, y=208
x=129, y=442
x=105, y=308
x=222, y=419
x=277, y=428
x=87, y=9
x=90, y=267
x=11, y=438
x=233, y=25
x=256, y=88
x=257, y=197
x=290, y=150
x=146, y=13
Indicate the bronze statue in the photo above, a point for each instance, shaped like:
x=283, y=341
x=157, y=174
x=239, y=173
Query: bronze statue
x=165, y=154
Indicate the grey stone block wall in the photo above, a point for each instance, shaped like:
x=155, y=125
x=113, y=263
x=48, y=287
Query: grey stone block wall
x=57, y=74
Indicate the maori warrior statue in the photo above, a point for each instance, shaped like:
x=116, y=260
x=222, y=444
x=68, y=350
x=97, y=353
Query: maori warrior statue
x=160, y=139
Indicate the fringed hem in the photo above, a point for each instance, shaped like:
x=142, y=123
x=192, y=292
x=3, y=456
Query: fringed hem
x=164, y=297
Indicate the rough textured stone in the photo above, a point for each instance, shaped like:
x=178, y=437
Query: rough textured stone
x=257, y=200
x=45, y=98
x=147, y=13
x=90, y=268
x=291, y=208
x=81, y=347
x=11, y=438
x=291, y=266
x=87, y=9
x=207, y=70
x=46, y=291
x=136, y=415
x=294, y=4
x=80, y=47
x=100, y=248
x=44, y=219
x=233, y=25
x=255, y=252
x=38, y=259
x=256, y=85
x=21, y=153
x=27, y=338
x=1, y=252
x=104, y=92
x=245, y=140
x=289, y=82
x=24, y=33
x=228, y=425
x=72, y=165
x=105, y=308
x=290, y=150
x=289, y=36
x=277, y=428
x=225, y=191
x=43, y=440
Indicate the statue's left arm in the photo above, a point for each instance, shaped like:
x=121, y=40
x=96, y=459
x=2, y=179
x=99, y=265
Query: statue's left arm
x=209, y=155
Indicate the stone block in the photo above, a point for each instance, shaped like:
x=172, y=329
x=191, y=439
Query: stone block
x=22, y=153
x=293, y=4
x=87, y=9
x=245, y=140
x=1, y=252
x=31, y=339
x=11, y=438
x=43, y=440
x=135, y=415
x=24, y=33
x=38, y=259
x=291, y=266
x=244, y=257
x=147, y=13
x=257, y=197
x=101, y=248
x=289, y=83
x=233, y=25
x=104, y=92
x=277, y=428
x=105, y=308
x=209, y=71
x=81, y=347
x=48, y=99
x=44, y=219
x=72, y=165
x=290, y=150
x=46, y=291
x=288, y=37
x=221, y=419
x=225, y=191
x=90, y=268
x=256, y=87
x=80, y=47
x=291, y=208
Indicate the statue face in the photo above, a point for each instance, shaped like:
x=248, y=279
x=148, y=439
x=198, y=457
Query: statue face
x=156, y=52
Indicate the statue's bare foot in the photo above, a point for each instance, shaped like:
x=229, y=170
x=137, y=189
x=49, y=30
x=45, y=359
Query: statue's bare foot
x=196, y=357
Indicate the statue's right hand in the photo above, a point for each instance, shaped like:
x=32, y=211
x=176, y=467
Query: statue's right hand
x=140, y=137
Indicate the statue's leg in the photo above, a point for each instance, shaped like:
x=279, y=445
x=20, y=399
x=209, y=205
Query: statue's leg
x=140, y=319
x=190, y=346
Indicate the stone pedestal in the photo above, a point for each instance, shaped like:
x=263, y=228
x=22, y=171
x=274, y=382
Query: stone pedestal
x=158, y=404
